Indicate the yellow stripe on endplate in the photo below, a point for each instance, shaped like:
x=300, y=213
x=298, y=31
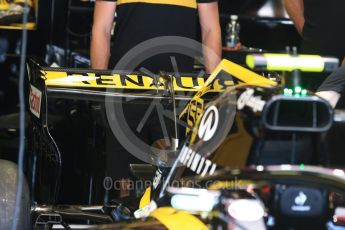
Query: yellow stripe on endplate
x=176, y=220
x=184, y=3
x=245, y=75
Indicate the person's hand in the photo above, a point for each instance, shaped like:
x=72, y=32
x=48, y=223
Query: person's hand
x=236, y=48
x=160, y=147
x=331, y=96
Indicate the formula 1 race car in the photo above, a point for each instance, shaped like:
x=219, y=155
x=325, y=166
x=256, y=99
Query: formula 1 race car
x=227, y=103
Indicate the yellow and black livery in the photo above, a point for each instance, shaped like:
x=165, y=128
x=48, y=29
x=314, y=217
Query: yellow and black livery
x=138, y=21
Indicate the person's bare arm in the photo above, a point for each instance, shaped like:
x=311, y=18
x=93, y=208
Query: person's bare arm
x=295, y=9
x=211, y=34
x=331, y=96
x=101, y=32
x=333, y=86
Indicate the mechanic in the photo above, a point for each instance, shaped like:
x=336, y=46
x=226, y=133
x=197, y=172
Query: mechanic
x=321, y=25
x=138, y=21
x=319, y=22
x=333, y=87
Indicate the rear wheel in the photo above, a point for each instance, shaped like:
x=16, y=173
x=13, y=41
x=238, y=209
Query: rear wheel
x=8, y=192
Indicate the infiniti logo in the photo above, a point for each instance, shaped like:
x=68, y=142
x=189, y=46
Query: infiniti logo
x=209, y=123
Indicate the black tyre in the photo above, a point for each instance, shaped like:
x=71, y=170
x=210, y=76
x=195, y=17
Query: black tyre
x=8, y=191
